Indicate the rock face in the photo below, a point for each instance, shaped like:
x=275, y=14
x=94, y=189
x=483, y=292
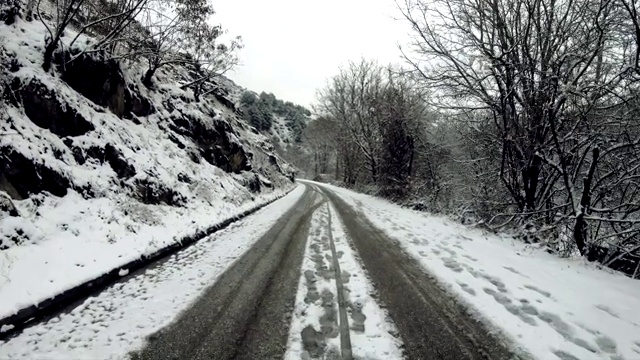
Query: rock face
x=137, y=104
x=30, y=177
x=99, y=80
x=102, y=81
x=8, y=188
x=48, y=111
x=6, y=206
x=109, y=154
x=9, y=11
x=223, y=98
x=169, y=130
x=149, y=191
x=118, y=162
x=215, y=143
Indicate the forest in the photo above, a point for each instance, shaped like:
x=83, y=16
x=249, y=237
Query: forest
x=510, y=115
x=259, y=110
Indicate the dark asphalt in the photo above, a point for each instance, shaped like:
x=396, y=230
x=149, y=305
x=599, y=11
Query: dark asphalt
x=246, y=313
x=431, y=324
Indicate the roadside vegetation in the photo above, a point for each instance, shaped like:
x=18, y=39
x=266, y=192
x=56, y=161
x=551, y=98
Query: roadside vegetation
x=510, y=114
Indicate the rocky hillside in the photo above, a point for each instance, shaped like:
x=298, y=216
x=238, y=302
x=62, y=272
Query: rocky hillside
x=97, y=169
x=283, y=122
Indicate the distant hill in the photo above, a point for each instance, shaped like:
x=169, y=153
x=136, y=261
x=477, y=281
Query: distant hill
x=284, y=121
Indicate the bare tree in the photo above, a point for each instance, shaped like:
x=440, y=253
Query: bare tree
x=65, y=12
x=549, y=87
x=403, y=112
x=105, y=20
x=320, y=134
x=378, y=114
x=180, y=33
x=351, y=98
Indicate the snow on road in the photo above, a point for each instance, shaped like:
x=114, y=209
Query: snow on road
x=314, y=328
x=373, y=334
x=80, y=246
x=550, y=307
x=117, y=320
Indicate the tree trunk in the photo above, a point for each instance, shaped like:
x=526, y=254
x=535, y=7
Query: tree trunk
x=531, y=175
x=411, y=153
x=337, y=166
x=315, y=163
x=374, y=171
x=48, y=55
x=196, y=92
x=146, y=80
x=29, y=15
x=580, y=228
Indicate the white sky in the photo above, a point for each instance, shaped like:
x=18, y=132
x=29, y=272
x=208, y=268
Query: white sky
x=293, y=46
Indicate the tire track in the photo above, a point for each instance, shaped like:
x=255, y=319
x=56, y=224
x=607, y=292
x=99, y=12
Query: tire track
x=321, y=327
x=345, y=339
x=242, y=315
x=431, y=323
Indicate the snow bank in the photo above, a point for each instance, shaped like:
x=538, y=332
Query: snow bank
x=550, y=307
x=119, y=319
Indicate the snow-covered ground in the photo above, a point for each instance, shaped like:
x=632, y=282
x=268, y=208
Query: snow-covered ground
x=315, y=320
x=117, y=320
x=85, y=239
x=101, y=219
x=550, y=307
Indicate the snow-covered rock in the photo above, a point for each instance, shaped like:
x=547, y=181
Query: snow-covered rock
x=102, y=170
x=7, y=208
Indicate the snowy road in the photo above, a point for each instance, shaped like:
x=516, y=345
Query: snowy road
x=306, y=277
x=294, y=275
x=325, y=273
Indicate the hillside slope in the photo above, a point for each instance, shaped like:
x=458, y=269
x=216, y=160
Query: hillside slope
x=283, y=122
x=97, y=170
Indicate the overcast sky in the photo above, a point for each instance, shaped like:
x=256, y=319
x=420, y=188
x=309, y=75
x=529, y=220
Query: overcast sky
x=293, y=46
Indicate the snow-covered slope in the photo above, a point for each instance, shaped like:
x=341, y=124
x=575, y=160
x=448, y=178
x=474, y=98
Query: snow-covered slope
x=103, y=170
x=552, y=308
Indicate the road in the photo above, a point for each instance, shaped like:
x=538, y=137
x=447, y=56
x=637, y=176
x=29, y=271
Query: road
x=247, y=312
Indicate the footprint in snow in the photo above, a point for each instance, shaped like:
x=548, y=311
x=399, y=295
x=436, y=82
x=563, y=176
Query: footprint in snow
x=566, y=332
x=606, y=344
x=452, y=264
x=467, y=288
x=451, y=252
x=512, y=270
x=469, y=257
x=564, y=355
x=607, y=310
x=523, y=312
x=494, y=281
x=539, y=291
x=588, y=329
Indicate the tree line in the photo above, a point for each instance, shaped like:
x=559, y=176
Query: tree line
x=260, y=109
x=509, y=113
